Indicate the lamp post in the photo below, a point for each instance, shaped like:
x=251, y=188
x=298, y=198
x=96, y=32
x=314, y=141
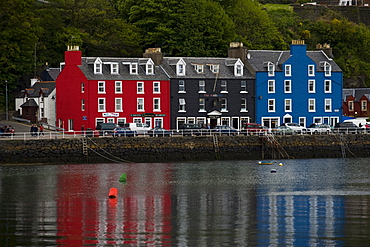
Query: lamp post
x=6, y=101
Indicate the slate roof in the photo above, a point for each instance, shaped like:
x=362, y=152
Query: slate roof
x=226, y=68
x=50, y=74
x=45, y=87
x=357, y=93
x=87, y=68
x=258, y=59
x=30, y=102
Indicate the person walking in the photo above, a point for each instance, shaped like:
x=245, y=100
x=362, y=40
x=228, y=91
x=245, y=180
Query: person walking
x=41, y=130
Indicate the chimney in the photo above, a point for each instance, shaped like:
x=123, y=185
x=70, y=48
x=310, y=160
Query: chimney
x=326, y=49
x=72, y=56
x=155, y=54
x=237, y=50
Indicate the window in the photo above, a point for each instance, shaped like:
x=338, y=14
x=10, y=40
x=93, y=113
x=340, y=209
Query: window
x=327, y=86
x=311, y=70
x=133, y=68
x=287, y=86
x=70, y=125
x=302, y=121
x=288, y=105
x=119, y=104
x=82, y=87
x=202, y=87
x=327, y=105
x=156, y=87
x=82, y=105
x=140, y=104
x=156, y=104
x=223, y=86
x=181, y=86
x=271, y=69
x=271, y=86
x=243, y=105
x=158, y=122
x=238, y=69
x=243, y=87
x=101, y=104
x=182, y=105
x=350, y=105
x=288, y=70
x=140, y=87
x=311, y=105
x=114, y=68
x=271, y=105
x=121, y=121
x=199, y=68
x=118, y=87
x=311, y=86
x=202, y=105
x=363, y=105
x=215, y=68
x=101, y=86
x=149, y=69
x=223, y=104
x=180, y=67
x=98, y=66
x=327, y=69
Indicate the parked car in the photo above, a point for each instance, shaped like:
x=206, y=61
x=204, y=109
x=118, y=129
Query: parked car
x=348, y=128
x=159, y=132
x=140, y=128
x=106, y=128
x=123, y=131
x=189, y=129
x=254, y=129
x=283, y=130
x=224, y=130
x=319, y=129
x=296, y=127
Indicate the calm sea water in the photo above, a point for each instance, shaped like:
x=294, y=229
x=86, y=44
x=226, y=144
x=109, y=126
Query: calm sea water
x=319, y=202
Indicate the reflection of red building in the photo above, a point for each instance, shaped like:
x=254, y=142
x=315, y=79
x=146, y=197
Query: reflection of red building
x=356, y=102
x=141, y=214
x=93, y=90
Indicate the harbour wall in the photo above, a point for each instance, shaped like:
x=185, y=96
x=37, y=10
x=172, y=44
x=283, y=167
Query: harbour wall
x=178, y=149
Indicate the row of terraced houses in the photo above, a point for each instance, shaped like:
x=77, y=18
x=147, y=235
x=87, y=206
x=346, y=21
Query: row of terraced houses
x=262, y=86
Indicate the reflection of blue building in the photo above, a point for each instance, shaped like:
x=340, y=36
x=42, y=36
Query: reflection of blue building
x=296, y=86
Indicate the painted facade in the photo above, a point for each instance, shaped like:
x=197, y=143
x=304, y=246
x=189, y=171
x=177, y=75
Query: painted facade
x=356, y=102
x=296, y=86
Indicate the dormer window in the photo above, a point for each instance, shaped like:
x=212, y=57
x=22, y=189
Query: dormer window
x=133, y=68
x=199, y=68
x=238, y=68
x=180, y=67
x=149, y=68
x=215, y=68
x=271, y=69
x=327, y=69
x=114, y=68
x=98, y=66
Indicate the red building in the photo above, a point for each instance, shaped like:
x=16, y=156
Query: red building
x=93, y=90
x=356, y=102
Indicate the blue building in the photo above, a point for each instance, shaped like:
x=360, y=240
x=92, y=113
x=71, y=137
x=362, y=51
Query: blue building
x=297, y=86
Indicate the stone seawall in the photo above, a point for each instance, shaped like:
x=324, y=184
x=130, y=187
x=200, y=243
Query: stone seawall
x=177, y=149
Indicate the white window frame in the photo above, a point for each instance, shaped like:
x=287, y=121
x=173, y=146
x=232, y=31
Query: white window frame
x=199, y=68
x=181, y=68
x=243, y=88
x=287, y=86
x=82, y=87
x=288, y=70
x=311, y=105
x=327, y=105
x=158, y=122
x=101, y=104
x=118, y=104
x=351, y=106
x=327, y=86
x=134, y=69
x=215, y=68
x=271, y=105
x=313, y=86
x=140, y=87
x=149, y=68
x=101, y=87
x=121, y=121
x=311, y=70
x=288, y=107
x=114, y=69
x=363, y=105
x=224, y=105
x=98, y=66
x=140, y=104
x=327, y=69
x=182, y=86
x=70, y=124
x=202, y=105
x=182, y=105
x=202, y=85
x=118, y=86
x=238, y=70
x=156, y=87
x=270, y=69
x=271, y=86
x=223, y=86
x=82, y=104
x=157, y=104
x=243, y=105
x=302, y=121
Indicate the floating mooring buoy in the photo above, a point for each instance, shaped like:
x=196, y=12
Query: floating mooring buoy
x=280, y=164
x=123, y=178
x=113, y=193
x=273, y=171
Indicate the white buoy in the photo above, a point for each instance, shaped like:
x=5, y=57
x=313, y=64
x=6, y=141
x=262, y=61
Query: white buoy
x=280, y=164
x=273, y=171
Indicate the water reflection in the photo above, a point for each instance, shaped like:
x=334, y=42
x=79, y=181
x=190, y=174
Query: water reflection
x=241, y=203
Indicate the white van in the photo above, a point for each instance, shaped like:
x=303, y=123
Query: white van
x=141, y=128
x=360, y=122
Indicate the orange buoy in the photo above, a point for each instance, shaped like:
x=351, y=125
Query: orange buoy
x=113, y=193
